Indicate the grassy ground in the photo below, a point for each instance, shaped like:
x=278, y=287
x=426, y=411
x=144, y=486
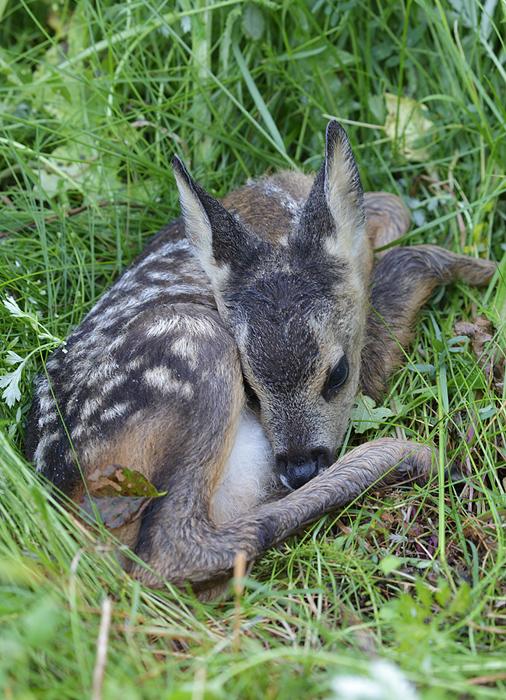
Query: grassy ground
x=95, y=97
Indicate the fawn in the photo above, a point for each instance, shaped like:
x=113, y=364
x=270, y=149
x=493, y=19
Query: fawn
x=223, y=365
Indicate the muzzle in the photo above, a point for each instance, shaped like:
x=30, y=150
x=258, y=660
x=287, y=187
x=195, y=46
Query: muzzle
x=297, y=468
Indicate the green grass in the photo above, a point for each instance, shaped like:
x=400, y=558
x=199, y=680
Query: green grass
x=95, y=97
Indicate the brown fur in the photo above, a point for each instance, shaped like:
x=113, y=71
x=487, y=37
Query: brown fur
x=387, y=218
x=404, y=278
x=206, y=553
x=249, y=200
x=152, y=379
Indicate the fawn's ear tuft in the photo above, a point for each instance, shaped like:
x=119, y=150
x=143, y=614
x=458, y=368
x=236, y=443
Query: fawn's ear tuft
x=333, y=216
x=180, y=169
x=197, y=224
x=220, y=240
x=342, y=179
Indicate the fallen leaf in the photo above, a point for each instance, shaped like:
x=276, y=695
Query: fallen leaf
x=77, y=167
x=406, y=123
x=119, y=494
x=253, y=22
x=481, y=332
x=115, y=480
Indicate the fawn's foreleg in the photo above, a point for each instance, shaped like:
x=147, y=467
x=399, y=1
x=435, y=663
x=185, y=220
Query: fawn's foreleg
x=199, y=552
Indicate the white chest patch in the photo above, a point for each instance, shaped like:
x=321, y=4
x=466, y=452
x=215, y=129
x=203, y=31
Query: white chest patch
x=247, y=473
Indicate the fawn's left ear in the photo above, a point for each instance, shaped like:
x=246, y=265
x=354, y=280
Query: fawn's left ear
x=220, y=240
x=333, y=216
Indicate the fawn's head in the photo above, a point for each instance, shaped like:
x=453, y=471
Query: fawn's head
x=297, y=309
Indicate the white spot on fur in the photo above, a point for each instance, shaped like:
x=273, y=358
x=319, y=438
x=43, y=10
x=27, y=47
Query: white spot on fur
x=110, y=312
x=103, y=371
x=164, y=251
x=46, y=401
x=273, y=189
x=184, y=324
x=117, y=342
x=163, y=378
x=115, y=411
x=187, y=349
x=89, y=407
x=162, y=326
x=199, y=326
x=79, y=430
x=186, y=289
x=44, y=443
x=112, y=382
x=247, y=473
x=160, y=276
x=133, y=364
x=149, y=293
x=47, y=418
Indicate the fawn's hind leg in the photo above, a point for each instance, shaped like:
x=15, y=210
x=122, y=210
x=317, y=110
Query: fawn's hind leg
x=185, y=400
x=387, y=218
x=403, y=280
x=222, y=464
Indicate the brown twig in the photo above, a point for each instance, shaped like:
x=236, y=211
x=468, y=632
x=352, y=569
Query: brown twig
x=484, y=680
x=239, y=572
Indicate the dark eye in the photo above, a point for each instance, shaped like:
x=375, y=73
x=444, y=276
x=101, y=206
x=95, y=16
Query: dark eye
x=337, y=376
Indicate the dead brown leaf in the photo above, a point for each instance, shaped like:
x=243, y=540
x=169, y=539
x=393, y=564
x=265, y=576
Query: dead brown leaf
x=115, y=480
x=119, y=494
x=481, y=332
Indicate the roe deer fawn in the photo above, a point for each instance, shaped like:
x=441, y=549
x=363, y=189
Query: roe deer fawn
x=223, y=365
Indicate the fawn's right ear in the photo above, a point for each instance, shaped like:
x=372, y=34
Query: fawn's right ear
x=220, y=240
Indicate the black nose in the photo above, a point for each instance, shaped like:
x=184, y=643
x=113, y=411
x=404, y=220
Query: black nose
x=296, y=469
